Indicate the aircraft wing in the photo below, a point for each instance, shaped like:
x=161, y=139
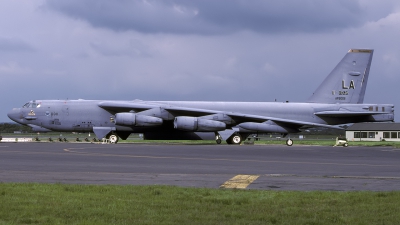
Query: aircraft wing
x=280, y=121
x=142, y=106
x=125, y=106
x=197, y=112
x=246, y=117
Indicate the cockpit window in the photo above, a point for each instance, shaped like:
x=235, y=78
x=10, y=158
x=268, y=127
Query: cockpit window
x=31, y=104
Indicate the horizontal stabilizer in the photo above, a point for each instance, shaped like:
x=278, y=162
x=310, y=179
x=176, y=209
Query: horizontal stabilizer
x=346, y=113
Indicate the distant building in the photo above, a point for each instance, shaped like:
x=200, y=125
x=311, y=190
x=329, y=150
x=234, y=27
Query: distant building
x=373, y=132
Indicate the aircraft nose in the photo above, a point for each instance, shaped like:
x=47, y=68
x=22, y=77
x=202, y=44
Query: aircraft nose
x=15, y=115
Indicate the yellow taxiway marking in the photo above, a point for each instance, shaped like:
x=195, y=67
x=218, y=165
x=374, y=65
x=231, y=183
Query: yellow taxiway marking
x=239, y=181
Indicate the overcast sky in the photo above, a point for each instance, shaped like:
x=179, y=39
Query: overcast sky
x=225, y=50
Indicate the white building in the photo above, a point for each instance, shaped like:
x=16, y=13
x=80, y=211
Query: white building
x=373, y=132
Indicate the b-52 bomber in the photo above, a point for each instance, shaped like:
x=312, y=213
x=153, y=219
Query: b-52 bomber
x=338, y=100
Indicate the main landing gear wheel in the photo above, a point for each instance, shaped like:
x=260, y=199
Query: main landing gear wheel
x=289, y=142
x=218, y=138
x=113, y=138
x=236, y=139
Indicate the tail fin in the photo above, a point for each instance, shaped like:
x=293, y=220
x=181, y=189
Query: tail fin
x=347, y=81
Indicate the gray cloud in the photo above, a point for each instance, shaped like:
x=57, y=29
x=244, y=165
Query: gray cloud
x=215, y=17
x=133, y=48
x=14, y=45
x=126, y=49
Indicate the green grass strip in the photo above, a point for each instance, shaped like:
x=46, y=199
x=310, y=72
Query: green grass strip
x=32, y=203
x=394, y=144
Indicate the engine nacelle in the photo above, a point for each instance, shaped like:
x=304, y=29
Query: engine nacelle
x=188, y=123
x=132, y=119
x=267, y=128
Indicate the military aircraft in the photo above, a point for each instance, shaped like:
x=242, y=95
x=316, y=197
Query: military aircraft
x=338, y=100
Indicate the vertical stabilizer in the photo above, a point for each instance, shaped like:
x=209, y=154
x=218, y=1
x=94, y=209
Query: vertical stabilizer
x=347, y=81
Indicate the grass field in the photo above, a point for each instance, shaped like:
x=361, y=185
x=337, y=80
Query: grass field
x=111, y=204
x=332, y=142
x=32, y=203
x=322, y=140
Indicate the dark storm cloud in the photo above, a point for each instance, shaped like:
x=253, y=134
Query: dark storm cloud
x=14, y=45
x=215, y=17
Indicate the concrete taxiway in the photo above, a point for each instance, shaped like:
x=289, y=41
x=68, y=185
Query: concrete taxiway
x=267, y=167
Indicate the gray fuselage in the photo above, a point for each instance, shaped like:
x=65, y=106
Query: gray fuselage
x=83, y=115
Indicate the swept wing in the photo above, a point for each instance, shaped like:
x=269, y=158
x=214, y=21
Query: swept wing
x=198, y=112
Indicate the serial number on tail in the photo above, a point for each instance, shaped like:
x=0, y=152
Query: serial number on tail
x=340, y=98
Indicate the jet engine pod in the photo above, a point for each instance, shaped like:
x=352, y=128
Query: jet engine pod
x=132, y=119
x=267, y=128
x=188, y=123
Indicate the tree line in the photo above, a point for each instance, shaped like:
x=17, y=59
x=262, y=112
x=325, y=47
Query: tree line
x=11, y=127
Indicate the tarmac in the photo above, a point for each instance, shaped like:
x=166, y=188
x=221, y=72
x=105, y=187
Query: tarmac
x=262, y=167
